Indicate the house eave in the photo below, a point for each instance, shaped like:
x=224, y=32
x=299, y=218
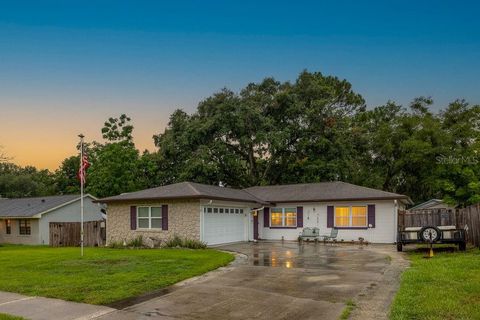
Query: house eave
x=405, y=199
x=19, y=217
x=196, y=197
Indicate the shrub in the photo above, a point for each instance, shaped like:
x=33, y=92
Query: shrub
x=136, y=242
x=194, y=244
x=177, y=242
x=174, y=242
x=116, y=245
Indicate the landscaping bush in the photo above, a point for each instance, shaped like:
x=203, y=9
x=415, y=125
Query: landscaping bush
x=194, y=244
x=136, y=242
x=116, y=245
x=174, y=242
x=177, y=242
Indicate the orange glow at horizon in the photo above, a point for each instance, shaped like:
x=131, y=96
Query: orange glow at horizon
x=45, y=140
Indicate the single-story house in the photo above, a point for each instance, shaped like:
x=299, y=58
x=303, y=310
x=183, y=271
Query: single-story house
x=27, y=220
x=432, y=204
x=219, y=215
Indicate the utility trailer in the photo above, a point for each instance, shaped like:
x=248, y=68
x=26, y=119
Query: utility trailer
x=432, y=235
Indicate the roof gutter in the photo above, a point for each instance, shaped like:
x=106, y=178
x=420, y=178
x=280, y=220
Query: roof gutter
x=405, y=198
x=196, y=197
x=19, y=217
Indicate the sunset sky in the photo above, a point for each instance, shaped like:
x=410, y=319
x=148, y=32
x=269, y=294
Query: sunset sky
x=66, y=66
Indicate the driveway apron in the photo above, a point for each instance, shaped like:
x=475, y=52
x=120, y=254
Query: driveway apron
x=274, y=280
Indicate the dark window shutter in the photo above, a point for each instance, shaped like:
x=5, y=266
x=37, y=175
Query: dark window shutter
x=329, y=216
x=266, y=217
x=164, y=217
x=133, y=218
x=300, y=217
x=371, y=215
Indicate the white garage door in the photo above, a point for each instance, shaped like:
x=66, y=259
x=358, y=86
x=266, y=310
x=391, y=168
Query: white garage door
x=224, y=225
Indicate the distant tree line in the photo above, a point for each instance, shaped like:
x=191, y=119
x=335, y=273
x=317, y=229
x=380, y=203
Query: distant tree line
x=315, y=129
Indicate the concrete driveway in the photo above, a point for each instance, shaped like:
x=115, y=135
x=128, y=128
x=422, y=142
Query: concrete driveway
x=283, y=280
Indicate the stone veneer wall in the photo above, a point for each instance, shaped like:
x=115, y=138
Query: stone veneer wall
x=183, y=220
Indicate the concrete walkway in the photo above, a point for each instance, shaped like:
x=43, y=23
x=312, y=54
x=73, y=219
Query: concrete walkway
x=38, y=308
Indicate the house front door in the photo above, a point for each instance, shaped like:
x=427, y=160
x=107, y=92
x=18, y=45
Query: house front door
x=255, y=226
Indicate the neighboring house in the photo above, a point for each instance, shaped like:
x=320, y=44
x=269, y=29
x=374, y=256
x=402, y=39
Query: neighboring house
x=432, y=204
x=27, y=220
x=219, y=215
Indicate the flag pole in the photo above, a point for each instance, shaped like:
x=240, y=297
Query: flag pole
x=81, y=194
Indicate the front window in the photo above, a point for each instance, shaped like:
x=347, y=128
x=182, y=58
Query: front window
x=355, y=216
x=342, y=216
x=283, y=217
x=24, y=227
x=290, y=217
x=149, y=217
x=359, y=216
x=276, y=217
x=8, y=226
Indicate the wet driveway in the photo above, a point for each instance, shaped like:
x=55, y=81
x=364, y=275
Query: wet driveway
x=274, y=280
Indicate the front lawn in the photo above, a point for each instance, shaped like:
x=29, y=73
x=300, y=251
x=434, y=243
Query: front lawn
x=4, y=316
x=102, y=275
x=444, y=287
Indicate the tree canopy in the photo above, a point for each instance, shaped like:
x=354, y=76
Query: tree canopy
x=314, y=129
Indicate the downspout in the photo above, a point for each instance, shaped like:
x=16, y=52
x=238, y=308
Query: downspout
x=395, y=217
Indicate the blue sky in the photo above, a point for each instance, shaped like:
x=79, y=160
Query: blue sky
x=65, y=66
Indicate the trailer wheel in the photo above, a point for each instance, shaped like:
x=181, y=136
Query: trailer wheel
x=399, y=246
x=430, y=234
x=462, y=246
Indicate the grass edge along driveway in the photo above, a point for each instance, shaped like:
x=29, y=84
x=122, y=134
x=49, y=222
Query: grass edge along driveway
x=103, y=275
x=4, y=316
x=444, y=287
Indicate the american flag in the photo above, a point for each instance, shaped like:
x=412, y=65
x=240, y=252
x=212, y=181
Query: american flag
x=84, y=164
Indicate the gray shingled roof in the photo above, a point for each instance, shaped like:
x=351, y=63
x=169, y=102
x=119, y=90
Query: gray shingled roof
x=186, y=190
x=426, y=204
x=323, y=191
x=28, y=207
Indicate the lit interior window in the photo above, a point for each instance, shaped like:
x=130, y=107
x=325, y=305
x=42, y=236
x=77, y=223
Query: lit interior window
x=342, y=216
x=359, y=216
x=276, y=219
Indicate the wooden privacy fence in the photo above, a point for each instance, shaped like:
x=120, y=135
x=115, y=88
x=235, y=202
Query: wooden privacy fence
x=67, y=234
x=432, y=217
x=469, y=216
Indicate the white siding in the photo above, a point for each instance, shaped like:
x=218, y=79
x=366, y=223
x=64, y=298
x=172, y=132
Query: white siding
x=315, y=215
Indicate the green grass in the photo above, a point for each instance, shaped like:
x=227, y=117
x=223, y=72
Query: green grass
x=103, y=275
x=350, y=305
x=446, y=286
x=4, y=316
